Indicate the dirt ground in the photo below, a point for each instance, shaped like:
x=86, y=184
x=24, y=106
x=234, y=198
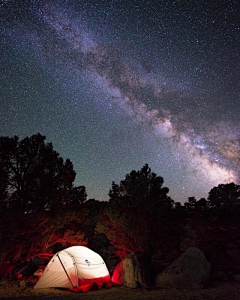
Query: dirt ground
x=219, y=291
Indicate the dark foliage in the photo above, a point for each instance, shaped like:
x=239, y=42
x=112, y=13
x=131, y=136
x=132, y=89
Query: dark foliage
x=143, y=188
x=34, y=177
x=224, y=200
x=134, y=217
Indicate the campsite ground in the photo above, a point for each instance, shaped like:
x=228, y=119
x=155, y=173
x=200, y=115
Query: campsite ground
x=219, y=291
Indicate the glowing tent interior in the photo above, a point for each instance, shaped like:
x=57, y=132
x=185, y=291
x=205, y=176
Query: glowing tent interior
x=74, y=267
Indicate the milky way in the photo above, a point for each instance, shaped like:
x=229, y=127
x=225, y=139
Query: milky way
x=116, y=85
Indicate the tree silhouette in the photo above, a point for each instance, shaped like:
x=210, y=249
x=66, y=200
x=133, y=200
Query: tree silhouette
x=225, y=200
x=224, y=195
x=77, y=196
x=35, y=176
x=143, y=187
x=201, y=204
x=194, y=204
x=132, y=215
x=3, y=189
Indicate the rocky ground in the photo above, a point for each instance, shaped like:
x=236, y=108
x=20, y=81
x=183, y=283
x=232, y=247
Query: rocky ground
x=218, y=291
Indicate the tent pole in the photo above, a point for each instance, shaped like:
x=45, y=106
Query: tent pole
x=74, y=263
x=65, y=271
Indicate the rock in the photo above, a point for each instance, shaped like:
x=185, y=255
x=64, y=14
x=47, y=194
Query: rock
x=161, y=260
x=131, y=272
x=38, y=273
x=124, y=273
x=18, y=276
x=22, y=284
x=132, y=284
x=237, y=277
x=190, y=270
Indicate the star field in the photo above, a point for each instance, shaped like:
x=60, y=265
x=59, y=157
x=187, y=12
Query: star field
x=117, y=84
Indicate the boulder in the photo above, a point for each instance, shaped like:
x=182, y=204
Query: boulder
x=22, y=284
x=38, y=273
x=131, y=272
x=190, y=270
x=161, y=259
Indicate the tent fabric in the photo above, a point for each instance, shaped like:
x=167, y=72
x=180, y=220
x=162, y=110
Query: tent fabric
x=73, y=267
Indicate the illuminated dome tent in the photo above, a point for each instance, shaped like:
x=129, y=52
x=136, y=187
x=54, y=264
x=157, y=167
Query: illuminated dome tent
x=74, y=267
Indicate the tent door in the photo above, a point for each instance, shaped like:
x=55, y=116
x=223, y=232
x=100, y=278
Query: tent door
x=65, y=271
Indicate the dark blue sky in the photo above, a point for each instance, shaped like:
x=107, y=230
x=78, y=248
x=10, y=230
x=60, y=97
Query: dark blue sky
x=117, y=84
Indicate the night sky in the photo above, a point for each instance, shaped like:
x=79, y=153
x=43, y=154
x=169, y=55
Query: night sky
x=117, y=84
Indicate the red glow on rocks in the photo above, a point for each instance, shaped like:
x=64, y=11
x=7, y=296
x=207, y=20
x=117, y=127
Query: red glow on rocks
x=117, y=277
x=18, y=276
